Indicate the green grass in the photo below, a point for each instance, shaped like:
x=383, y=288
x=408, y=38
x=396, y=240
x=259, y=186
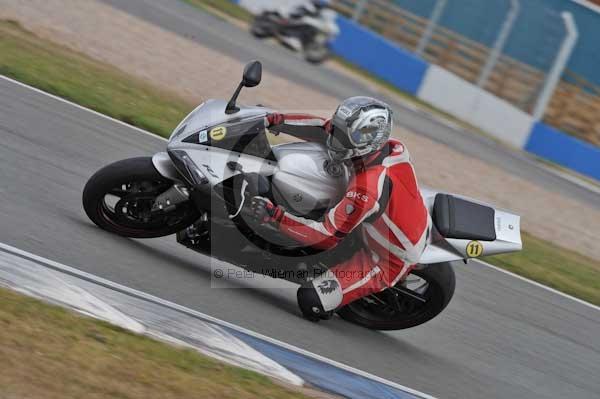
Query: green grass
x=559, y=268
x=225, y=6
x=65, y=73
x=73, y=76
x=50, y=352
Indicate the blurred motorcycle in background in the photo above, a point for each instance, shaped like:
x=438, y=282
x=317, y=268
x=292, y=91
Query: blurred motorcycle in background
x=308, y=29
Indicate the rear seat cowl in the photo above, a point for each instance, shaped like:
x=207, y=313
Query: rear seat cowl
x=462, y=219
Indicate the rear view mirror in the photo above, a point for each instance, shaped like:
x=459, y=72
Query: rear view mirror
x=252, y=74
x=251, y=78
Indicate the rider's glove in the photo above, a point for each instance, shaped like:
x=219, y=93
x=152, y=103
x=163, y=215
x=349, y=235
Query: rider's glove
x=274, y=119
x=264, y=211
x=328, y=126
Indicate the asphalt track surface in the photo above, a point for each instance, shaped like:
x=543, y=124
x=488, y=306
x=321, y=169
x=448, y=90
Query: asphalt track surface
x=185, y=20
x=500, y=337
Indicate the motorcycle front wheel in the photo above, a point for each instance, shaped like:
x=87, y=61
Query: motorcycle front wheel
x=418, y=299
x=119, y=198
x=261, y=27
x=316, y=52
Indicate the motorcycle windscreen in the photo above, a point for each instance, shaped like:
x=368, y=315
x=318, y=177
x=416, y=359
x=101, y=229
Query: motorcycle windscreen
x=247, y=137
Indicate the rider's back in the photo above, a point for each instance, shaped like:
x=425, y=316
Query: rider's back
x=405, y=216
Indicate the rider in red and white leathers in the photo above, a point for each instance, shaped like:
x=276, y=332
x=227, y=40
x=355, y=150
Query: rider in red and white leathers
x=382, y=199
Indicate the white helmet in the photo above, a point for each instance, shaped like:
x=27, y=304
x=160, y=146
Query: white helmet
x=360, y=126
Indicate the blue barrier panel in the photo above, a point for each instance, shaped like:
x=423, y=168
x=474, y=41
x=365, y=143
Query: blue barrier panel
x=379, y=56
x=565, y=150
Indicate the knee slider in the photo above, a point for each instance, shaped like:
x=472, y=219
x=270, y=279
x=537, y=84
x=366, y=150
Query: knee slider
x=321, y=296
x=309, y=302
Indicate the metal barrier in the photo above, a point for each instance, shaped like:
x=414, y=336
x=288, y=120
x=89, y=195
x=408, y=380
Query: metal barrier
x=572, y=104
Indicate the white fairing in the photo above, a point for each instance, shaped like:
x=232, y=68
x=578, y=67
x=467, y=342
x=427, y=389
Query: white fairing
x=324, y=23
x=441, y=249
x=210, y=113
x=301, y=181
x=212, y=162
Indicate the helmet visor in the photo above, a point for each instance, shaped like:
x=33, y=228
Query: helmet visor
x=360, y=125
x=365, y=135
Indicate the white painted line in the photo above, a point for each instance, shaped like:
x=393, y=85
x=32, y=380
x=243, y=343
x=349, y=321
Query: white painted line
x=545, y=287
x=40, y=281
x=145, y=132
x=151, y=298
x=137, y=129
x=591, y=186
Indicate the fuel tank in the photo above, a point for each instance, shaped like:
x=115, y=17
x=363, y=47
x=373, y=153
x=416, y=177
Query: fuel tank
x=306, y=180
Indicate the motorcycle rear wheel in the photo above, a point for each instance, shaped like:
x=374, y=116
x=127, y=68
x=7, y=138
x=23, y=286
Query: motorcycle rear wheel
x=377, y=312
x=316, y=53
x=119, y=198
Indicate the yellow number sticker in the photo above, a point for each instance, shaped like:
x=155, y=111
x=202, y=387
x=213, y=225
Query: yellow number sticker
x=218, y=133
x=474, y=249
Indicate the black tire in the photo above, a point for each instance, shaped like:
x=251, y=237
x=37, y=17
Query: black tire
x=316, y=53
x=442, y=282
x=260, y=28
x=133, y=171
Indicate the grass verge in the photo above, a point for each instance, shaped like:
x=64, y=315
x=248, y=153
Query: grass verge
x=103, y=88
x=556, y=267
x=80, y=79
x=50, y=352
x=226, y=7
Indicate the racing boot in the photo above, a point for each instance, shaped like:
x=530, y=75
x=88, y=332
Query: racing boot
x=318, y=299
